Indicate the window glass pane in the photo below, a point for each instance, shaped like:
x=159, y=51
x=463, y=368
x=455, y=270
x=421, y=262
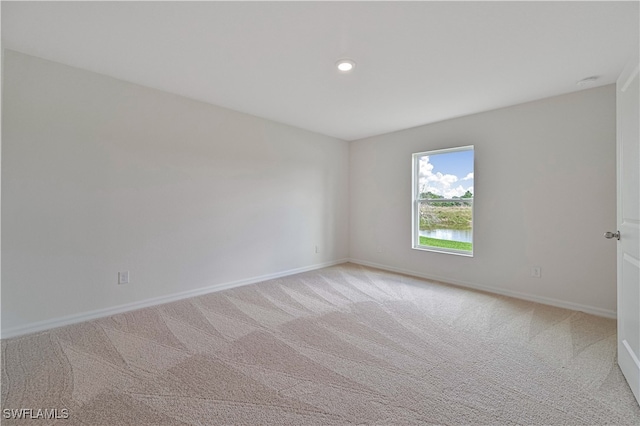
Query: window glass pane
x=448, y=221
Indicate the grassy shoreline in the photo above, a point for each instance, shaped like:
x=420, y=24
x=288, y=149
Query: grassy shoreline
x=446, y=217
x=456, y=245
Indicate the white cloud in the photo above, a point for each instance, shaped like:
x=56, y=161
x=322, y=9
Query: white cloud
x=436, y=183
x=459, y=191
x=444, y=180
x=425, y=167
x=468, y=177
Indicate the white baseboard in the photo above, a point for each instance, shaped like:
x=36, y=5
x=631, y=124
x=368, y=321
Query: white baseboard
x=515, y=294
x=101, y=313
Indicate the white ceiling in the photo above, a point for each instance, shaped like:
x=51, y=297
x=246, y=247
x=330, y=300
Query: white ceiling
x=417, y=62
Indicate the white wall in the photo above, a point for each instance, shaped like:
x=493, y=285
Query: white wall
x=100, y=176
x=545, y=194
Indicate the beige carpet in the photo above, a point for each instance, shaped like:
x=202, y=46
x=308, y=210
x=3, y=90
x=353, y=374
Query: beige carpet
x=342, y=345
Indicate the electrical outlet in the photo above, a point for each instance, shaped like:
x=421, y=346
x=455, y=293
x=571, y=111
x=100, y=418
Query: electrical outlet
x=123, y=277
x=317, y=249
x=536, y=271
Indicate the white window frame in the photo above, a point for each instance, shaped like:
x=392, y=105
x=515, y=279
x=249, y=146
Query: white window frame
x=416, y=201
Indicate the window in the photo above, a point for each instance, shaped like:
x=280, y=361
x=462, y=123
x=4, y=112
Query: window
x=443, y=200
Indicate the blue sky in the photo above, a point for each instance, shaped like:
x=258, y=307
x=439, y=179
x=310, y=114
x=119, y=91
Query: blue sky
x=448, y=174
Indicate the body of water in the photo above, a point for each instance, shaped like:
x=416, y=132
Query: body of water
x=462, y=235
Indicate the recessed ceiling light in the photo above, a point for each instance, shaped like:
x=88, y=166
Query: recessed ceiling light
x=587, y=81
x=345, y=65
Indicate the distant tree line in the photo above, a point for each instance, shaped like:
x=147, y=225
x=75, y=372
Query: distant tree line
x=430, y=195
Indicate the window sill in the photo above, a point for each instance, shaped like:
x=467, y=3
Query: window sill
x=444, y=251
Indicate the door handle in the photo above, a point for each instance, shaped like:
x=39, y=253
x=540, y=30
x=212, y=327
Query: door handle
x=610, y=235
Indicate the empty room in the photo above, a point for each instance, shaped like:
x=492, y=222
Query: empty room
x=320, y=213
